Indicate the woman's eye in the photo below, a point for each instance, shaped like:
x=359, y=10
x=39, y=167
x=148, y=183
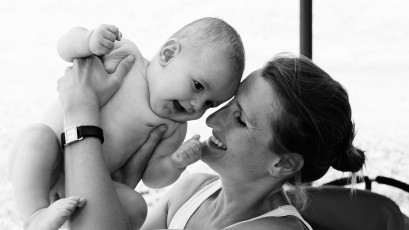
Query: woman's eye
x=241, y=122
x=199, y=87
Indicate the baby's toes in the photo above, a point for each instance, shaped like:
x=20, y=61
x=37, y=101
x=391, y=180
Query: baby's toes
x=78, y=201
x=67, y=206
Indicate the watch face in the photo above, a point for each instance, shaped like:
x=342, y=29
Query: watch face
x=71, y=134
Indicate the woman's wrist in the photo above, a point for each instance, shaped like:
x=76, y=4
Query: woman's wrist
x=83, y=114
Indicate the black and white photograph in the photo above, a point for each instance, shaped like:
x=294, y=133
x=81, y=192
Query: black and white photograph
x=217, y=114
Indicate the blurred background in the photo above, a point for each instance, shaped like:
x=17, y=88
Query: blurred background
x=362, y=44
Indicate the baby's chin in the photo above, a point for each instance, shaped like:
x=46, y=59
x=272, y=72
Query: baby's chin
x=174, y=116
x=182, y=117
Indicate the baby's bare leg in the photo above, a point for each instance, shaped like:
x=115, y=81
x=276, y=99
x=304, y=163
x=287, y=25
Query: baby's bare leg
x=133, y=203
x=55, y=215
x=36, y=161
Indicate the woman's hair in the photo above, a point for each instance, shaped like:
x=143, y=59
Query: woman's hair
x=315, y=121
x=316, y=118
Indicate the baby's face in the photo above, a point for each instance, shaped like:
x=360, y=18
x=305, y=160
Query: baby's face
x=192, y=83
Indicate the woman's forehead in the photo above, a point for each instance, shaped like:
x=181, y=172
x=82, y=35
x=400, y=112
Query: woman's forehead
x=258, y=98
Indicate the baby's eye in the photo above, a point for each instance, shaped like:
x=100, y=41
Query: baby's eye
x=199, y=87
x=209, y=104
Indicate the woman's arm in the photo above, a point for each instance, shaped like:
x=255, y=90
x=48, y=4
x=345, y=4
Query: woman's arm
x=159, y=163
x=84, y=88
x=130, y=175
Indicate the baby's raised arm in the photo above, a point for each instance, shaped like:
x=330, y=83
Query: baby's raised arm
x=80, y=42
x=170, y=159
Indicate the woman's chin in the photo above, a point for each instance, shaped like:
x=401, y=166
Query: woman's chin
x=211, y=151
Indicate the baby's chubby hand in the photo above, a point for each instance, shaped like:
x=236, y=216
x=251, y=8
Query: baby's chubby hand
x=188, y=153
x=102, y=39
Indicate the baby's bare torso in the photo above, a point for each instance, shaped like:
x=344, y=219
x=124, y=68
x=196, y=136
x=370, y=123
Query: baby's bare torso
x=127, y=118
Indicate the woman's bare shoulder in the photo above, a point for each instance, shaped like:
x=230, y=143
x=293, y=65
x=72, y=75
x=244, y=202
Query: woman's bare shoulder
x=189, y=184
x=185, y=188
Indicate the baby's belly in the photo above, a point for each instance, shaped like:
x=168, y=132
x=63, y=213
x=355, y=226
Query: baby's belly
x=127, y=121
x=122, y=140
x=120, y=146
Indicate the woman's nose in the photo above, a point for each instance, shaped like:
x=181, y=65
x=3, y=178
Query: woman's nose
x=217, y=119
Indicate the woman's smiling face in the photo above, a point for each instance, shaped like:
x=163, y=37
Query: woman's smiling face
x=242, y=130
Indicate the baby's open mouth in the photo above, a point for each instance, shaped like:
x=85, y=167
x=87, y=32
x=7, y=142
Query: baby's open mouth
x=178, y=106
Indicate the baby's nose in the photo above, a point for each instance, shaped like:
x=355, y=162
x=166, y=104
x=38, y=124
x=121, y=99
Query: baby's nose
x=197, y=105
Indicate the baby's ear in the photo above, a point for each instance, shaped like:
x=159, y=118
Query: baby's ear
x=169, y=51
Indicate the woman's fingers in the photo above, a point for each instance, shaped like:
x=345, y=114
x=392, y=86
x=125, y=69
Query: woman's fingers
x=87, y=80
x=134, y=167
x=123, y=68
x=154, y=137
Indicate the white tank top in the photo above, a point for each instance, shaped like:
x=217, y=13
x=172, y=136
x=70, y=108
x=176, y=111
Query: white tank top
x=182, y=216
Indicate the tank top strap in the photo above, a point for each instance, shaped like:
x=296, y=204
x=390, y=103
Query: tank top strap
x=184, y=213
x=285, y=210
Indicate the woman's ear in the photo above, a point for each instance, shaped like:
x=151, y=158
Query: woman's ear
x=288, y=164
x=169, y=51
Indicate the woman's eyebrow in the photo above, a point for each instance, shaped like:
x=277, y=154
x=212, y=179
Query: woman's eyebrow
x=241, y=110
x=252, y=122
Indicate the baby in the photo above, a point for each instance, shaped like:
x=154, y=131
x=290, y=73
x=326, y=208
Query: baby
x=197, y=68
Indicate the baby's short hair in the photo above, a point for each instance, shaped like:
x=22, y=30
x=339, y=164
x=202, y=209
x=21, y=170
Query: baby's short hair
x=208, y=31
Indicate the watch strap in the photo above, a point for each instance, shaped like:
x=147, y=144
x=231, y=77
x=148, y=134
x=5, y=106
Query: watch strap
x=91, y=131
x=84, y=131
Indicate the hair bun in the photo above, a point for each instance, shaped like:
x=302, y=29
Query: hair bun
x=350, y=161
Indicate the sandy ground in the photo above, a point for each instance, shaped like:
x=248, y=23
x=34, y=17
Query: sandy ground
x=363, y=44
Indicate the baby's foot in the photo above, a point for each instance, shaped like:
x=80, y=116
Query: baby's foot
x=55, y=215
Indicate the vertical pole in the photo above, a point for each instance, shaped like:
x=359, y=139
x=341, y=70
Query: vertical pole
x=306, y=28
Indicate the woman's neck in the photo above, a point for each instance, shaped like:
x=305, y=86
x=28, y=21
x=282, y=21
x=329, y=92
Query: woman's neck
x=239, y=201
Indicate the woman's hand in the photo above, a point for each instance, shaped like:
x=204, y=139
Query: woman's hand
x=129, y=174
x=87, y=83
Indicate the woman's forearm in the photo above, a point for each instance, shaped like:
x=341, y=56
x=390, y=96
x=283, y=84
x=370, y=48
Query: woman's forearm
x=84, y=88
x=87, y=176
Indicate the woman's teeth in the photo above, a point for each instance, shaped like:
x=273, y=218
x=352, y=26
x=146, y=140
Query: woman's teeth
x=218, y=142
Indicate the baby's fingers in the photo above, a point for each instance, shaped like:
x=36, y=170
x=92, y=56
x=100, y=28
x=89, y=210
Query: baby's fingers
x=108, y=44
x=195, y=137
x=115, y=31
x=194, y=154
x=193, y=143
x=193, y=150
x=108, y=35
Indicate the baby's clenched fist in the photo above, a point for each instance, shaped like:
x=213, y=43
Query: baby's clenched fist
x=102, y=39
x=188, y=153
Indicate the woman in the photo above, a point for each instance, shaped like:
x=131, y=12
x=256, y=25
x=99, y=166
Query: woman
x=289, y=122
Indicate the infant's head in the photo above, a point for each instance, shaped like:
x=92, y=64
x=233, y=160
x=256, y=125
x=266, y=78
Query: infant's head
x=198, y=67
